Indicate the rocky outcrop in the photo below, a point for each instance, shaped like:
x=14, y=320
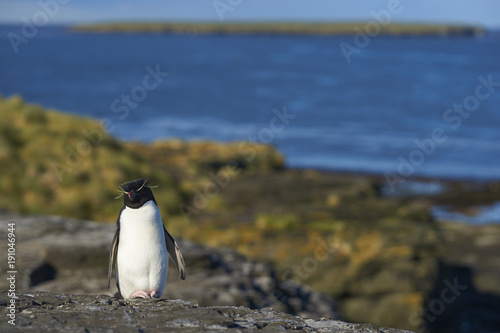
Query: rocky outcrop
x=67, y=257
x=377, y=256
x=44, y=312
x=71, y=256
x=61, y=274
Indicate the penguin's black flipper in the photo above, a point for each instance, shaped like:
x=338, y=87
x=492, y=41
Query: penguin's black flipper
x=175, y=254
x=113, y=251
x=112, y=256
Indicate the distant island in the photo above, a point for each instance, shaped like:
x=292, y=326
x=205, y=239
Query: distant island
x=282, y=28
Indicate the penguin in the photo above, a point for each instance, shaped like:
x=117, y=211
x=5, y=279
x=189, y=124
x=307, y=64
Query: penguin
x=141, y=245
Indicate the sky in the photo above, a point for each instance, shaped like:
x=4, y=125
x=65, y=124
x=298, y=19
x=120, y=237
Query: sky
x=477, y=12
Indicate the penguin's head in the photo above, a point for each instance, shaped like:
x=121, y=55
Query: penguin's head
x=136, y=193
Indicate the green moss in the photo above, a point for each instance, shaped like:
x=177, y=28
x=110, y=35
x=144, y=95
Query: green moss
x=322, y=226
x=55, y=163
x=277, y=222
x=35, y=114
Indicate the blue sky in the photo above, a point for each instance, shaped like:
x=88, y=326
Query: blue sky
x=480, y=12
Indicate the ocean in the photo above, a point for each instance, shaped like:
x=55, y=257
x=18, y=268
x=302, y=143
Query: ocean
x=399, y=106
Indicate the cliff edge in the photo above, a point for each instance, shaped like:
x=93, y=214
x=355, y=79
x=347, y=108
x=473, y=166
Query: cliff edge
x=44, y=311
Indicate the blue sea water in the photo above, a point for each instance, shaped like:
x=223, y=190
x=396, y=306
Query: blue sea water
x=390, y=110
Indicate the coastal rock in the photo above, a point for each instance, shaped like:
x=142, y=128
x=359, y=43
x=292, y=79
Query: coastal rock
x=377, y=257
x=71, y=256
x=44, y=311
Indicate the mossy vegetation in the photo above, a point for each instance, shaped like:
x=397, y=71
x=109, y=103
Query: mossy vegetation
x=293, y=28
x=277, y=222
x=56, y=163
x=195, y=164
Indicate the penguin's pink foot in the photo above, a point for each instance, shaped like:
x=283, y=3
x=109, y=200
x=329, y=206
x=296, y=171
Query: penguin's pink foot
x=140, y=294
x=155, y=294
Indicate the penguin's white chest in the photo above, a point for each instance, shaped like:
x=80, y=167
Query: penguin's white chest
x=142, y=258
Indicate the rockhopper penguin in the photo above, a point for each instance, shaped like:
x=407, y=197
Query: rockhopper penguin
x=141, y=245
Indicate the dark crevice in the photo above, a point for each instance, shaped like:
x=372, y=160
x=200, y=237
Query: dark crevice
x=455, y=305
x=42, y=273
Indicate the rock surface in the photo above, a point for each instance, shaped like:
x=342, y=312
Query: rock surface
x=62, y=255
x=61, y=267
x=377, y=256
x=65, y=256
x=43, y=311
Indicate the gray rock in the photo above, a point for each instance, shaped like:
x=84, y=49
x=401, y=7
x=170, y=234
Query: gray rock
x=44, y=311
x=62, y=255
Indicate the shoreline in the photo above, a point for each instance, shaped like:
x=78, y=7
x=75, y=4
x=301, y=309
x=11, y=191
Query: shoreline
x=186, y=165
x=417, y=178
x=373, y=175
x=280, y=28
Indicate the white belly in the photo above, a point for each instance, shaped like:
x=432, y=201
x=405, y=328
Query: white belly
x=142, y=256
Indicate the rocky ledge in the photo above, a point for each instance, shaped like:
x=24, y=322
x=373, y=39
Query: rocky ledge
x=60, y=285
x=68, y=256
x=44, y=311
